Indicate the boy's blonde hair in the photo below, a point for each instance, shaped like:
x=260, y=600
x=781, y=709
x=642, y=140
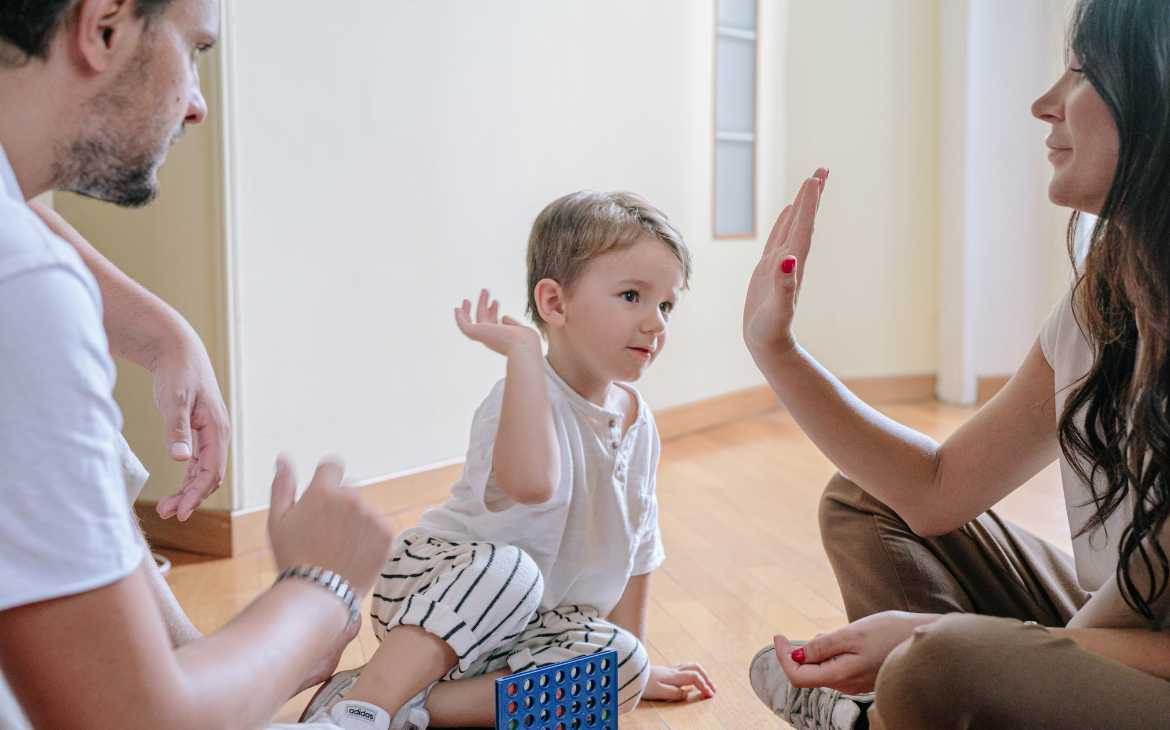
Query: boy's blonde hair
x=579, y=227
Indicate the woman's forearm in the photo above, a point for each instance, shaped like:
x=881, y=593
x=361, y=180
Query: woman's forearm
x=1142, y=649
x=525, y=458
x=895, y=464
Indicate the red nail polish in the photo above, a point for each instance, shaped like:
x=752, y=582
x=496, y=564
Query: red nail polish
x=788, y=264
x=798, y=655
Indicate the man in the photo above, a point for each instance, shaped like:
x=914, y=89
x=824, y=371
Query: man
x=92, y=95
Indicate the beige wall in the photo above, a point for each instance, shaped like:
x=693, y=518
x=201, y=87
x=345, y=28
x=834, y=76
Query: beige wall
x=862, y=99
x=176, y=248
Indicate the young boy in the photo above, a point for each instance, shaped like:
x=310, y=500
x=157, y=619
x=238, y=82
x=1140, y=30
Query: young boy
x=543, y=552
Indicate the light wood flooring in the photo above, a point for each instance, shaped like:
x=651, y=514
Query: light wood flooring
x=738, y=512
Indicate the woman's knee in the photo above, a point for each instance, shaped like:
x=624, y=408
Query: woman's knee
x=937, y=674
x=837, y=499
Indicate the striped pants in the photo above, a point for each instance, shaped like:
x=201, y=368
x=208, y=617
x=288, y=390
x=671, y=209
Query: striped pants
x=483, y=599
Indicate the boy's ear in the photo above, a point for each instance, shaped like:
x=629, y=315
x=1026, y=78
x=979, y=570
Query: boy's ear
x=550, y=302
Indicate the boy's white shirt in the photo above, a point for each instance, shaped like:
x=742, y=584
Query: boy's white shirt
x=601, y=525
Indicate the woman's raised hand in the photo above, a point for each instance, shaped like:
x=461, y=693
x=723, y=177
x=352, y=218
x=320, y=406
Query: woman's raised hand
x=775, y=283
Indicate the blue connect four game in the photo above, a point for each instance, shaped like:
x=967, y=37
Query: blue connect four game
x=577, y=694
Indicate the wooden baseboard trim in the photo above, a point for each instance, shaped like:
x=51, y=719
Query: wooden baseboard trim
x=206, y=532
x=224, y=534
x=987, y=386
x=750, y=402
x=711, y=412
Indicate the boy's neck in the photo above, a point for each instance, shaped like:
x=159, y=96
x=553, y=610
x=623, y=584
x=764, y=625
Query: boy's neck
x=584, y=383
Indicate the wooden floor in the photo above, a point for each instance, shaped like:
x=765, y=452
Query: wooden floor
x=744, y=559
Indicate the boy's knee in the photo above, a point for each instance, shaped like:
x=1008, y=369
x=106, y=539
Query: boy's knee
x=512, y=566
x=633, y=670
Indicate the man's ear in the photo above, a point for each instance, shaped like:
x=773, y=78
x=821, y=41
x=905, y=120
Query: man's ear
x=102, y=31
x=550, y=302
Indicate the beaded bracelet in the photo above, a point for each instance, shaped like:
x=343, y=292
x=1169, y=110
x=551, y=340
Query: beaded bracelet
x=327, y=579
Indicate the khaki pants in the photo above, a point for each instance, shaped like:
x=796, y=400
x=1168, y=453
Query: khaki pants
x=982, y=667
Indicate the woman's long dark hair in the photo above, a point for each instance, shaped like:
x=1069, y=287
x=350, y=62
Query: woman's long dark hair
x=1122, y=296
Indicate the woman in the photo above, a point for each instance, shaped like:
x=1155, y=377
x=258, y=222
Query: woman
x=959, y=618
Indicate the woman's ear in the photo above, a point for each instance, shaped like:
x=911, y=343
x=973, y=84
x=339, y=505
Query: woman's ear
x=550, y=302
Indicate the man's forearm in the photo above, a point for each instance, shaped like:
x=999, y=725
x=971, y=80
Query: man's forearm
x=179, y=626
x=136, y=321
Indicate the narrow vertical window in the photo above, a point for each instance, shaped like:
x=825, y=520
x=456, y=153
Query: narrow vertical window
x=735, y=119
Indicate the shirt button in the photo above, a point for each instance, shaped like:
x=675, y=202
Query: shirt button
x=614, y=444
x=612, y=423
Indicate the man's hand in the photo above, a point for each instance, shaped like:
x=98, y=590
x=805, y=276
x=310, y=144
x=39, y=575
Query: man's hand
x=674, y=684
x=196, y=420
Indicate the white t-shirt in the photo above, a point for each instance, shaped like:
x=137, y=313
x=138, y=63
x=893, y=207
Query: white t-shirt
x=601, y=525
x=65, y=525
x=1071, y=357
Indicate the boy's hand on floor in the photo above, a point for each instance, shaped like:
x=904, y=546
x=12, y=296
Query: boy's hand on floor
x=674, y=684
x=503, y=336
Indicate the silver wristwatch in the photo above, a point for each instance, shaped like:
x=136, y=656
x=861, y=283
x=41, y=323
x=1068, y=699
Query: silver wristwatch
x=327, y=579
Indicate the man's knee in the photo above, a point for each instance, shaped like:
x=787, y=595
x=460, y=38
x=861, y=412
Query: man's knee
x=633, y=670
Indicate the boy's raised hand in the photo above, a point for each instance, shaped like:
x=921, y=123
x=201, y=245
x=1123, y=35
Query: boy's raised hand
x=499, y=335
x=771, y=297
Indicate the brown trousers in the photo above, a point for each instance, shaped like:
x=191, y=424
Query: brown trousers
x=982, y=667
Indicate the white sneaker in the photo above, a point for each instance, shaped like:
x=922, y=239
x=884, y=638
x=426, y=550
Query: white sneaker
x=358, y=715
x=328, y=694
x=327, y=706
x=817, y=708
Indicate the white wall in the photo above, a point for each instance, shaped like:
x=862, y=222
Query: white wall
x=392, y=164
x=1000, y=239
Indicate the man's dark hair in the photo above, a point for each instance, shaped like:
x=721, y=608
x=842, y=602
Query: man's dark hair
x=28, y=26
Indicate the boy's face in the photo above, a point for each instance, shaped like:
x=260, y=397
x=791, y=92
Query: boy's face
x=618, y=310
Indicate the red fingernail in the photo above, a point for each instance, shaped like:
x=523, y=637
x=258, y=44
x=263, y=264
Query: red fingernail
x=788, y=264
x=798, y=655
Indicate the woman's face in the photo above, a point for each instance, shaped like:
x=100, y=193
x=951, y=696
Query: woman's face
x=1083, y=145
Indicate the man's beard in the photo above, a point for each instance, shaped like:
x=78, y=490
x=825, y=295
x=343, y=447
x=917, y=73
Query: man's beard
x=117, y=155
x=102, y=166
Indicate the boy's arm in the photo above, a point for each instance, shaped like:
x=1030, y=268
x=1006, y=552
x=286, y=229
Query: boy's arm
x=631, y=609
x=526, y=458
x=526, y=462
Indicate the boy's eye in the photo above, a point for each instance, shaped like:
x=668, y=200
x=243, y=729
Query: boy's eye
x=630, y=295
x=666, y=307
